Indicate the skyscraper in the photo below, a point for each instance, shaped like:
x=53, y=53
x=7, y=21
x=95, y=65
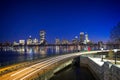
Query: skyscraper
x=35, y=41
x=42, y=37
x=86, y=39
x=22, y=42
x=29, y=40
x=57, y=41
x=82, y=37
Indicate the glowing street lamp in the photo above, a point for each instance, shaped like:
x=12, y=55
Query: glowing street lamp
x=115, y=52
x=102, y=54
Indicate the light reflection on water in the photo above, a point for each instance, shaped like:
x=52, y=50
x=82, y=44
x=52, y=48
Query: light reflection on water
x=12, y=55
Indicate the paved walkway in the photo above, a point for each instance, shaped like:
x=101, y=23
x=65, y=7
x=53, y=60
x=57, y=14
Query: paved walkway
x=99, y=62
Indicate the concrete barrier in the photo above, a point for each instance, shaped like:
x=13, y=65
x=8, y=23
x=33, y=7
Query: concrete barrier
x=47, y=74
x=107, y=71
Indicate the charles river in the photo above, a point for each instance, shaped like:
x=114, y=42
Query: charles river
x=14, y=55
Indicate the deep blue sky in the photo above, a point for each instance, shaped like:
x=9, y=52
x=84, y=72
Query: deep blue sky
x=63, y=19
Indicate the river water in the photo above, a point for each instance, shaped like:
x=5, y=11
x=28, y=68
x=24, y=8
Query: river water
x=13, y=55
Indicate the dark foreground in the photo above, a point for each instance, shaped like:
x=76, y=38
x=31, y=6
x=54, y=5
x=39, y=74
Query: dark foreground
x=73, y=73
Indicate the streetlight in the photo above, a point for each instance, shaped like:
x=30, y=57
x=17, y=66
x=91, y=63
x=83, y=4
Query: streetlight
x=102, y=54
x=115, y=52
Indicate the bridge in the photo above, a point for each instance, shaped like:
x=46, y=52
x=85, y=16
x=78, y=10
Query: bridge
x=52, y=64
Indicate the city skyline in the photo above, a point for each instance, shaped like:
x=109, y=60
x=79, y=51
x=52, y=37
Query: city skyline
x=60, y=19
x=82, y=38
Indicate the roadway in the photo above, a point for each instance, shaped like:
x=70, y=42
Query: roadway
x=26, y=72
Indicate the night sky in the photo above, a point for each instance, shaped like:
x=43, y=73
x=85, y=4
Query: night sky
x=62, y=19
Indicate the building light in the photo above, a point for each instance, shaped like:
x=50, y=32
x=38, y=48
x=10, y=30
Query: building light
x=22, y=42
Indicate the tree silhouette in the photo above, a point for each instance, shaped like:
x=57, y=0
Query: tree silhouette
x=115, y=34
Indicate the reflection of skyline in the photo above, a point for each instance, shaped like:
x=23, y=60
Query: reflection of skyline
x=13, y=55
x=43, y=49
x=34, y=50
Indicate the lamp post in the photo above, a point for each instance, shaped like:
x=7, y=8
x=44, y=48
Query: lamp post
x=115, y=52
x=102, y=54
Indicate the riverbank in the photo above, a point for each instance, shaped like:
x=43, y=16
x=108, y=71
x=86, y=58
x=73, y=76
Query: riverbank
x=102, y=70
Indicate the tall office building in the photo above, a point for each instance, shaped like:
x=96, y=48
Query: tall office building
x=22, y=42
x=86, y=39
x=35, y=41
x=82, y=37
x=57, y=41
x=42, y=37
x=65, y=42
x=29, y=40
x=75, y=40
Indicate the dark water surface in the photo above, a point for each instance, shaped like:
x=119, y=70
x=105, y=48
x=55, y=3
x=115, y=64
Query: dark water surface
x=13, y=55
x=74, y=73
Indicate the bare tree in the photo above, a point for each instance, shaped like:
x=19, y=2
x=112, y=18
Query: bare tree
x=115, y=34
